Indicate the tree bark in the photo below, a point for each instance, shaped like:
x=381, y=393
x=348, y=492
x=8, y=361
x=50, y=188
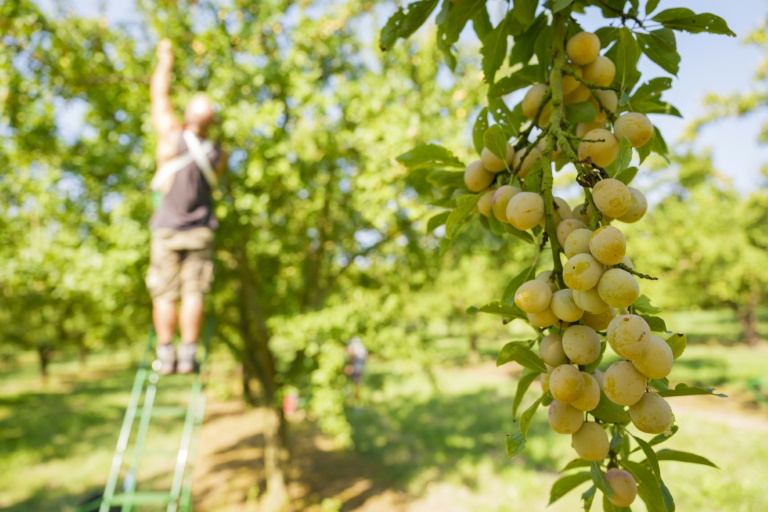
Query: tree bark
x=748, y=321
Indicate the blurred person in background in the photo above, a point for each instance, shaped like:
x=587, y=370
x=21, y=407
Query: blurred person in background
x=357, y=355
x=183, y=225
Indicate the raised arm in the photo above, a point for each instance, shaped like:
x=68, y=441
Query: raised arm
x=163, y=118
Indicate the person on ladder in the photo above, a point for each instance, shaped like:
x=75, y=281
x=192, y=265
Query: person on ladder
x=181, y=250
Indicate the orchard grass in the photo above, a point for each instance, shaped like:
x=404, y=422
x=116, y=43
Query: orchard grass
x=401, y=428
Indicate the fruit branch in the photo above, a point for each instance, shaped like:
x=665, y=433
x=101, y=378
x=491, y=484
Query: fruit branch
x=623, y=15
x=589, y=85
x=636, y=273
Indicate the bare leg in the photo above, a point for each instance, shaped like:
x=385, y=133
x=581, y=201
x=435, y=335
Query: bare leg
x=164, y=316
x=191, y=317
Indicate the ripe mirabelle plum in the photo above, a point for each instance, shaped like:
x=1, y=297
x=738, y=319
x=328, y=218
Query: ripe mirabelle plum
x=581, y=212
x=603, y=152
x=581, y=93
x=637, y=207
x=581, y=344
x=501, y=199
x=563, y=418
x=476, y=177
x=529, y=160
x=569, y=83
x=533, y=296
x=543, y=319
x=598, y=375
x=598, y=321
x=545, y=382
x=590, y=301
x=551, y=350
x=485, y=203
x=493, y=163
x=543, y=144
x=623, y=384
x=608, y=101
x=623, y=485
x=582, y=272
x=590, y=397
x=618, y=288
x=591, y=442
x=612, y=197
x=583, y=48
x=628, y=336
x=577, y=242
x=566, y=383
x=525, y=210
x=532, y=100
x=608, y=245
x=657, y=360
x=564, y=307
x=627, y=262
x=584, y=128
x=651, y=414
x=546, y=276
x=601, y=71
x=567, y=227
x=634, y=126
x=562, y=210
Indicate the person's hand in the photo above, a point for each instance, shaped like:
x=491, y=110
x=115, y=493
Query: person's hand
x=164, y=51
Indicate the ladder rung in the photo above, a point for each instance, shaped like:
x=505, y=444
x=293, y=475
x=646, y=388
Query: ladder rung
x=165, y=411
x=141, y=498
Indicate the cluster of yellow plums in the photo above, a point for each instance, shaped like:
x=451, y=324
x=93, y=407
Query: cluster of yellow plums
x=597, y=278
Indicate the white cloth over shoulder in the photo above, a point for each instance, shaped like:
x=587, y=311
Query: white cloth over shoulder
x=197, y=152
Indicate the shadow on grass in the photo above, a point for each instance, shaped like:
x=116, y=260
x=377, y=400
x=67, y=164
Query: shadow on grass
x=410, y=436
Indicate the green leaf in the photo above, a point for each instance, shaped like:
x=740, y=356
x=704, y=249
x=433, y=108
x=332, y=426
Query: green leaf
x=647, y=486
x=521, y=354
x=494, y=50
x=515, y=282
x=598, y=477
x=661, y=47
x=523, y=77
x=609, y=411
x=428, y=156
x=576, y=463
x=524, y=11
x=496, y=141
x=522, y=235
x=478, y=130
x=527, y=417
x=453, y=179
x=622, y=161
x=481, y=22
x=655, y=323
x=464, y=206
x=515, y=443
x=663, y=437
x=543, y=50
x=607, y=35
x=677, y=342
x=523, y=47
x=566, y=484
x=659, y=384
x=405, y=22
x=686, y=390
x=588, y=497
x=627, y=175
x=669, y=501
x=645, y=150
x=451, y=22
x=526, y=379
x=497, y=228
x=559, y=5
x=686, y=20
x=610, y=507
x=679, y=456
x=643, y=305
x=497, y=308
x=650, y=455
x=627, y=54
x=659, y=145
x=510, y=121
x=583, y=112
x=651, y=6
x=436, y=221
x=532, y=182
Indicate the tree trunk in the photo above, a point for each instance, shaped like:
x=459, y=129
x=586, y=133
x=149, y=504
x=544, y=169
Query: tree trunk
x=474, y=355
x=748, y=321
x=275, y=498
x=44, y=353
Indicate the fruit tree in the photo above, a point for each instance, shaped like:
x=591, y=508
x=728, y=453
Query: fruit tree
x=584, y=110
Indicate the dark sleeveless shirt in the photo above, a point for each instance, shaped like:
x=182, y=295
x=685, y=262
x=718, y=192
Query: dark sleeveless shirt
x=188, y=204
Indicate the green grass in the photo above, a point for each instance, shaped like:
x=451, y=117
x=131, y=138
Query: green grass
x=444, y=447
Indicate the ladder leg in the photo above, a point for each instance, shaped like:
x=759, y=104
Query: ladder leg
x=186, y=438
x=141, y=436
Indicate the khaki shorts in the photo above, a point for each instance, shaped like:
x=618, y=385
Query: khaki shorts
x=180, y=263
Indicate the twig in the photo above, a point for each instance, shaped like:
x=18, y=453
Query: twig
x=635, y=273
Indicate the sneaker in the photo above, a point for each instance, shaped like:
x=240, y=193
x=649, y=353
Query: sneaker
x=186, y=357
x=167, y=357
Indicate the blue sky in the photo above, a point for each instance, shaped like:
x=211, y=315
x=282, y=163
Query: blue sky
x=710, y=63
